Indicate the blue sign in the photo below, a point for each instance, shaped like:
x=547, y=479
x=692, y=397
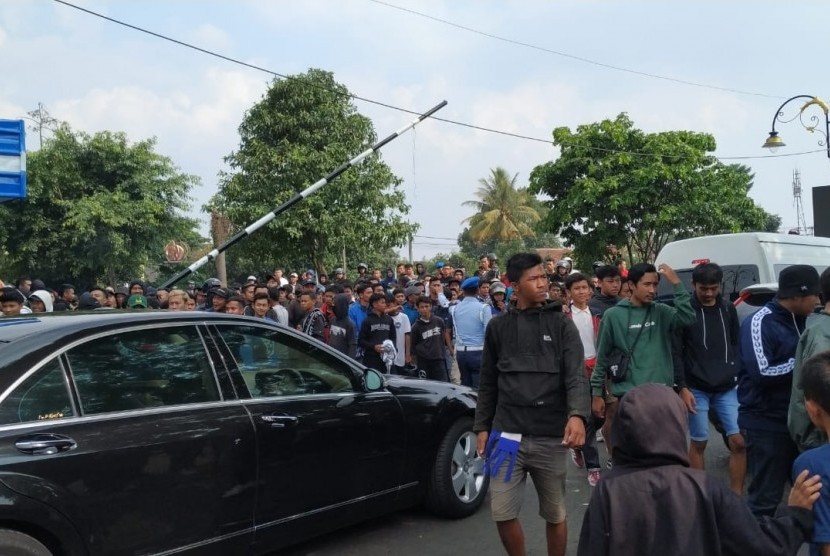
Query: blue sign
x=12, y=160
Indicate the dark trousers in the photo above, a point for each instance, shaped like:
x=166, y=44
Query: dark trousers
x=435, y=369
x=469, y=365
x=589, y=451
x=769, y=463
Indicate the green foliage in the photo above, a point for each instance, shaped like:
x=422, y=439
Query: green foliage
x=616, y=185
x=302, y=129
x=99, y=209
x=504, y=212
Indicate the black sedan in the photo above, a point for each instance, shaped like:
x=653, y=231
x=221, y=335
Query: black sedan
x=201, y=433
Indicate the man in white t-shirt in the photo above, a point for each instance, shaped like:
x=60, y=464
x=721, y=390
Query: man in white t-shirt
x=403, y=330
x=587, y=323
x=280, y=278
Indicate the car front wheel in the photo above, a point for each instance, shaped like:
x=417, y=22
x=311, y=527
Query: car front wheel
x=457, y=483
x=15, y=543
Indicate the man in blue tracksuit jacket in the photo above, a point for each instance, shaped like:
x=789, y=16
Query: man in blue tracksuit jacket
x=768, y=340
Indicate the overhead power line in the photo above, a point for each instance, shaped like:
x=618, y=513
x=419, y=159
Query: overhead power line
x=398, y=108
x=572, y=56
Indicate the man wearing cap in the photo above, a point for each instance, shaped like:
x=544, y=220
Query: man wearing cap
x=470, y=317
x=137, y=301
x=410, y=308
x=293, y=278
x=220, y=297
x=339, y=277
x=768, y=341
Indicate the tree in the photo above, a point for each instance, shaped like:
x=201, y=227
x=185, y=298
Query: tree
x=98, y=209
x=302, y=129
x=616, y=185
x=504, y=212
x=42, y=119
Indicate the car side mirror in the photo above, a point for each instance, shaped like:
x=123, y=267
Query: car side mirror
x=372, y=380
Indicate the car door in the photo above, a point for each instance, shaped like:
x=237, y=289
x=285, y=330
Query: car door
x=149, y=455
x=324, y=443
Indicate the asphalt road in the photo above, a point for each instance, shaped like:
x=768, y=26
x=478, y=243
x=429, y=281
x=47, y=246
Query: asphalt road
x=416, y=533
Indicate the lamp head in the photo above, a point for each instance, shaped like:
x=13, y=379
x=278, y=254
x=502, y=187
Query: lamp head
x=773, y=142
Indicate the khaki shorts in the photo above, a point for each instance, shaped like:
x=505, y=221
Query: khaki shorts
x=544, y=458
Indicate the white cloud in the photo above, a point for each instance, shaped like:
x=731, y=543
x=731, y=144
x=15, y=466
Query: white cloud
x=210, y=37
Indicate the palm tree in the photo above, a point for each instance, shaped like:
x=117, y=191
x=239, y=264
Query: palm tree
x=503, y=212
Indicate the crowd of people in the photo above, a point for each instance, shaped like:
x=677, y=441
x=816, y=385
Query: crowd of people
x=564, y=359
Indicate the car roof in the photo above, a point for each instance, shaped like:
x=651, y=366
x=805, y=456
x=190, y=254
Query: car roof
x=51, y=326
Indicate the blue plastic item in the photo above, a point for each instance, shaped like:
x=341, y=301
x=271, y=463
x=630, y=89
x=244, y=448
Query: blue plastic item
x=12, y=160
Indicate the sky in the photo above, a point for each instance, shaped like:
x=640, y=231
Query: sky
x=745, y=58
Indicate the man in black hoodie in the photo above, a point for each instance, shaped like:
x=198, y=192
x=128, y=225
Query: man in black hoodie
x=533, y=402
x=608, y=295
x=376, y=328
x=343, y=337
x=706, y=355
x=651, y=503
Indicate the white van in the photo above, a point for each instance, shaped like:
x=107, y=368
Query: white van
x=747, y=259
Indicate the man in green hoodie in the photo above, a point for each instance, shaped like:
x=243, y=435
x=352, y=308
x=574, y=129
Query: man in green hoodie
x=640, y=330
x=813, y=341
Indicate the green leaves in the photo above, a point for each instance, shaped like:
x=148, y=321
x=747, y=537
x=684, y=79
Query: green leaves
x=616, y=185
x=302, y=129
x=99, y=209
x=504, y=212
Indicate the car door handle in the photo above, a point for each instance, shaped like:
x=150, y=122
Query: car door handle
x=44, y=444
x=280, y=421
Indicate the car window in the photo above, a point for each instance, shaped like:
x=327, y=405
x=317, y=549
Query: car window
x=42, y=396
x=277, y=364
x=140, y=369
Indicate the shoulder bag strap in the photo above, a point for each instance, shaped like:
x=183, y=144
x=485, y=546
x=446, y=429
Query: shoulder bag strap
x=639, y=332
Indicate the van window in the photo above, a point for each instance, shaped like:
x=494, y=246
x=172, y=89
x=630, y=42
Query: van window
x=735, y=278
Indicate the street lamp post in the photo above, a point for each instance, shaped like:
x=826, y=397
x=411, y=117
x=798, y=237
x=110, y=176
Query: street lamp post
x=773, y=142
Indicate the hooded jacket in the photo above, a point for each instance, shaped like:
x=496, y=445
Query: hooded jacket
x=707, y=351
x=374, y=330
x=652, y=503
x=87, y=303
x=651, y=359
x=768, y=342
x=342, y=335
x=46, y=297
x=815, y=339
x=532, y=373
x=600, y=303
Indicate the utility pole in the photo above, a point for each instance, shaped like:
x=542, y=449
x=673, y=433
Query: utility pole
x=410, y=249
x=799, y=206
x=220, y=227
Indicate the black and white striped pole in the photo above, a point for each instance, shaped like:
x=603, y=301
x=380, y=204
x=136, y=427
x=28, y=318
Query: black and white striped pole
x=298, y=197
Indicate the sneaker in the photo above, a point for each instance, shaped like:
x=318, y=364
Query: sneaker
x=599, y=437
x=594, y=477
x=576, y=457
x=609, y=464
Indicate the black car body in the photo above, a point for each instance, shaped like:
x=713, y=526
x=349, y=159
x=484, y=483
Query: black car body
x=202, y=433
